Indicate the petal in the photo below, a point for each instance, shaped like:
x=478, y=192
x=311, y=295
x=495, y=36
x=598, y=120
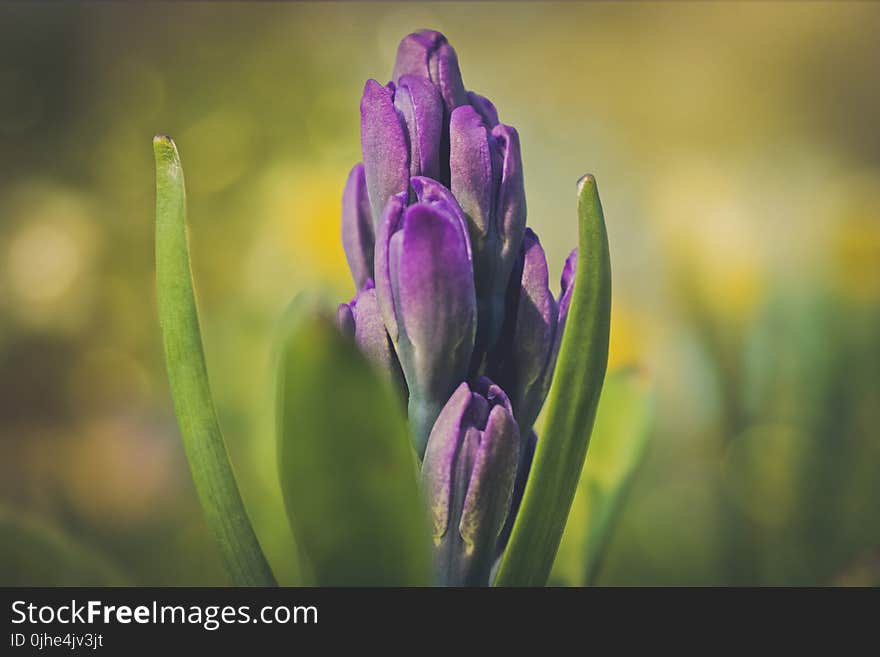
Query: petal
x=510, y=202
x=439, y=464
x=491, y=483
x=433, y=193
x=345, y=319
x=428, y=54
x=532, y=346
x=568, y=274
x=484, y=108
x=419, y=101
x=384, y=145
x=446, y=74
x=493, y=393
x=478, y=411
x=470, y=165
x=370, y=333
x=567, y=283
x=414, y=52
x=437, y=306
x=357, y=227
x=388, y=226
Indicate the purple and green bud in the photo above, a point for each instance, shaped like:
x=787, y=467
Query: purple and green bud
x=436, y=215
x=425, y=292
x=487, y=180
x=468, y=478
x=524, y=357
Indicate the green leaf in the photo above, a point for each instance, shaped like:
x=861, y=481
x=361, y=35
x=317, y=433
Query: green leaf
x=618, y=448
x=36, y=553
x=185, y=360
x=348, y=471
x=571, y=406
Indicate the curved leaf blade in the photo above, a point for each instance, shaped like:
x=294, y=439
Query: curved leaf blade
x=347, y=468
x=188, y=375
x=571, y=406
x=618, y=447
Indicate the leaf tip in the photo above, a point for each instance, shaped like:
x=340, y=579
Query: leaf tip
x=162, y=137
x=165, y=148
x=586, y=180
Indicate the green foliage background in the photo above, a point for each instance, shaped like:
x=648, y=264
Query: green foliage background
x=738, y=156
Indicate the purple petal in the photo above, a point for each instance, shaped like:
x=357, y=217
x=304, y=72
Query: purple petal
x=493, y=393
x=357, y=227
x=510, y=208
x=471, y=175
x=437, y=307
x=388, y=226
x=491, y=482
x=532, y=346
x=478, y=411
x=345, y=320
x=486, y=178
x=370, y=333
x=439, y=464
x=428, y=54
x=568, y=276
x=384, y=145
x=567, y=283
x=433, y=193
x=484, y=107
x=421, y=106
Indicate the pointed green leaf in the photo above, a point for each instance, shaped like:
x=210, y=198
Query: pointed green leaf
x=571, y=406
x=188, y=376
x=617, y=449
x=348, y=471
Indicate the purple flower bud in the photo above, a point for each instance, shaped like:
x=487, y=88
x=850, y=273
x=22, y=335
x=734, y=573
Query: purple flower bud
x=419, y=104
x=524, y=358
x=357, y=227
x=384, y=145
x=425, y=291
x=401, y=129
x=361, y=320
x=468, y=478
x=427, y=54
x=531, y=402
x=486, y=179
x=567, y=284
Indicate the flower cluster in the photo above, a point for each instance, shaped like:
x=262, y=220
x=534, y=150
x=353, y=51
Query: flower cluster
x=453, y=299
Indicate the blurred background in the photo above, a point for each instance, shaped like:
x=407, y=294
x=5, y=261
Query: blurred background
x=737, y=152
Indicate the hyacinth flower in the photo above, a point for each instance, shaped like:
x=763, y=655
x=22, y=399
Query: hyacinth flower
x=453, y=315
